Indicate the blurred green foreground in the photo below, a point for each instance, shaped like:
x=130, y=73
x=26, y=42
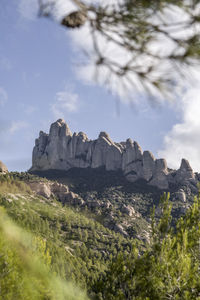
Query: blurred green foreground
x=25, y=267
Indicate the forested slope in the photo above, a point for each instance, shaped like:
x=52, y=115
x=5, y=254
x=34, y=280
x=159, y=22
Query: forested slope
x=52, y=250
x=80, y=247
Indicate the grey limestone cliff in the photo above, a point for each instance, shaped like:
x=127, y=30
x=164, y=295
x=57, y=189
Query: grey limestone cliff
x=60, y=149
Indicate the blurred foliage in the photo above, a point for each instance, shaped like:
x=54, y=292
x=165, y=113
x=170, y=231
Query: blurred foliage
x=80, y=247
x=25, y=265
x=61, y=250
x=158, y=39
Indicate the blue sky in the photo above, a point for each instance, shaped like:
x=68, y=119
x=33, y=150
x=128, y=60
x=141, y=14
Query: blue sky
x=41, y=80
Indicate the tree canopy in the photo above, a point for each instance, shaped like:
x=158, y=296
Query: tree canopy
x=168, y=268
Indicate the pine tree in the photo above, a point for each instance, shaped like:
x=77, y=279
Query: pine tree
x=167, y=269
x=144, y=29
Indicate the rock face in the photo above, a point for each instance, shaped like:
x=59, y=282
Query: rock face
x=62, y=150
x=185, y=172
x=160, y=173
x=49, y=189
x=3, y=168
x=128, y=210
x=180, y=195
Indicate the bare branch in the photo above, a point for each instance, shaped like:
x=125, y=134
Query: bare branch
x=134, y=25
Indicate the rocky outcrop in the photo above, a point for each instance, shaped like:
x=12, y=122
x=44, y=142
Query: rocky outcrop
x=3, y=168
x=180, y=195
x=41, y=188
x=49, y=189
x=159, y=177
x=62, y=150
x=119, y=228
x=185, y=172
x=128, y=210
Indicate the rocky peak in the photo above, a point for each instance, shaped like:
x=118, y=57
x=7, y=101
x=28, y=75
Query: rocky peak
x=61, y=150
x=185, y=172
x=161, y=165
x=59, y=128
x=3, y=168
x=129, y=143
x=148, y=165
x=42, y=133
x=185, y=166
x=160, y=173
x=138, y=151
x=83, y=136
x=103, y=136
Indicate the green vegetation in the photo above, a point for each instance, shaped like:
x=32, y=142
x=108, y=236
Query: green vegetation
x=111, y=187
x=80, y=247
x=98, y=187
x=25, y=265
x=167, y=269
x=49, y=249
x=10, y=184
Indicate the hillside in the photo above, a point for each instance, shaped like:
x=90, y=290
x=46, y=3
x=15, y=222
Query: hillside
x=114, y=200
x=92, y=228
x=80, y=247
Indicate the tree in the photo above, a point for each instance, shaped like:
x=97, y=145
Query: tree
x=167, y=269
x=159, y=40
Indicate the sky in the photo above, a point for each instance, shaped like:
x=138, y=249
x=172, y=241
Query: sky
x=43, y=78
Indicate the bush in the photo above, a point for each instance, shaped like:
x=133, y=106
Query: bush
x=8, y=184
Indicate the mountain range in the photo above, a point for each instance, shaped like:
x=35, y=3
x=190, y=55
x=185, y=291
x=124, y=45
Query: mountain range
x=62, y=150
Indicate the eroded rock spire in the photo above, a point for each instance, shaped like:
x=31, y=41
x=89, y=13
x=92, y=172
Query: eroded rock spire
x=61, y=150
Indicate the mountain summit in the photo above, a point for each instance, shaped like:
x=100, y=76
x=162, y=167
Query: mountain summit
x=62, y=150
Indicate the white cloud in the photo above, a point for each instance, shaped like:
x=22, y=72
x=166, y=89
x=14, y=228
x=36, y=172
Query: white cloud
x=183, y=140
x=126, y=87
x=129, y=88
x=66, y=102
x=82, y=40
x=3, y=96
x=62, y=8
x=17, y=125
x=89, y=73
